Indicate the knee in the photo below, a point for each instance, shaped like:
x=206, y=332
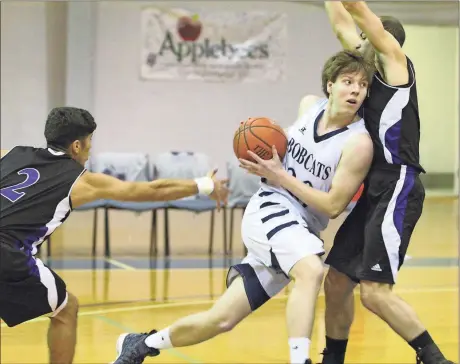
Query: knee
x=223, y=322
x=374, y=294
x=308, y=271
x=337, y=284
x=70, y=311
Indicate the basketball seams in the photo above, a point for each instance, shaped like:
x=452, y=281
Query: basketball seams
x=244, y=134
x=248, y=126
x=268, y=127
x=263, y=141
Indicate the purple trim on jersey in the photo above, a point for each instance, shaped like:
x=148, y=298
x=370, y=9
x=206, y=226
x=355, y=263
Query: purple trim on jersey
x=28, y=247
x=392, y=137
x=32, y=264
x=401, y=201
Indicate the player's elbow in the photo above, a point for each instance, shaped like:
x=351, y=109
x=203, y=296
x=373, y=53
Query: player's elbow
x=351, y=6
x=334, y=214
x=336, y=209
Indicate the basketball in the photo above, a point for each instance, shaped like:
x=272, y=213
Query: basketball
x=259, y=135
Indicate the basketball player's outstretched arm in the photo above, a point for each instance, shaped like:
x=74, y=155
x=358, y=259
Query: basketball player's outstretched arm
x=94, y=186
x=350, y=173
x=389, y=52
x=343, y=25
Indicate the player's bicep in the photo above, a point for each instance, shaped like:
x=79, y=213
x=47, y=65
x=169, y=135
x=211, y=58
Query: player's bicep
x=343, y=25
x=351, y=171
x=95, y=186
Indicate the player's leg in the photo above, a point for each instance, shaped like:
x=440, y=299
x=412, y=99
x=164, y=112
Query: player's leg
x=339, y=315
x=232, y=307
x=343, y=259
x=296, y=252
x=29, y=289
x=250, y=285
x=387, y=238
x=62, y=332
x=227, y=312
x=307, y=274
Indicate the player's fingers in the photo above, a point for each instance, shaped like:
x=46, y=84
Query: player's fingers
x=275, y=152
x=255, y=157
x=247, y=164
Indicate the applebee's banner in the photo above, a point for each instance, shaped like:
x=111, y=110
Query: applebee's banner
x=215, y=46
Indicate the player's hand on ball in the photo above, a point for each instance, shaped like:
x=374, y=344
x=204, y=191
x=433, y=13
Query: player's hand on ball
x=221, y=191
x=270, y=169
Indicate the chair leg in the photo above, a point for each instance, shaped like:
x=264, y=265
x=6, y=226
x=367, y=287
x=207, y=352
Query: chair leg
x=107, y=237
x=48, y=247
x=94, y=232
x=153, y=234
x=211, y=233
x=224, y=224
x=166, y=232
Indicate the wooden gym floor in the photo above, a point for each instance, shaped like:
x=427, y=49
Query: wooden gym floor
x=138, y=294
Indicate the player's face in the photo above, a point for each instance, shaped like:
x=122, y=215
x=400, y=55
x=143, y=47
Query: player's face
x=349, y=91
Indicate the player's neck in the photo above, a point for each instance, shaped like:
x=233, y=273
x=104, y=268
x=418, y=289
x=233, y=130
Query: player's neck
x=333, y=119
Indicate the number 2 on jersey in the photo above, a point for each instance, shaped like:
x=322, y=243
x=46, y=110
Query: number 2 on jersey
x=292, y=171
x=12, y=192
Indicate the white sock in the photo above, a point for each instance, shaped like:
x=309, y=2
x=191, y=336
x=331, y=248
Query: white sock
x=160, y=340
x=299, y=349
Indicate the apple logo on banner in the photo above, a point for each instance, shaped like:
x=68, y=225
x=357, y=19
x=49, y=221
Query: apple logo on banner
x=189, y=28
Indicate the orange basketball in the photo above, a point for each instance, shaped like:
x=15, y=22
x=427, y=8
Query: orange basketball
x=259, y=135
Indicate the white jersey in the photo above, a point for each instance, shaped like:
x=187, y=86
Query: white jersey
x=312, y=159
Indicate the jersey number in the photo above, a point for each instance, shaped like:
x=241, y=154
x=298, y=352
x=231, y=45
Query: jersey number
x=292, y=171
x=12, y=192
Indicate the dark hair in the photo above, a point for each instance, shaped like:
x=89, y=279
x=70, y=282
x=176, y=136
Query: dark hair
x=346, y=62
x=395, y=28
x=64, y=125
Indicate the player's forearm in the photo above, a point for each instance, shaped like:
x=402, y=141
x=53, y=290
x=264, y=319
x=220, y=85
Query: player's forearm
x=339, y=17
x=160, y=190
x=365, y=19
x=319, y=200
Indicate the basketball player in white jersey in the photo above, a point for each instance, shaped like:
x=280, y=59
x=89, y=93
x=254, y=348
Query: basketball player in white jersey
x=330, y=150
x=370, y=246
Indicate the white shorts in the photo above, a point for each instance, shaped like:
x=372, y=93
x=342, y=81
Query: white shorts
x=276, y=237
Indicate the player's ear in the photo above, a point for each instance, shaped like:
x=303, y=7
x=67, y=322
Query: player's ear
x=75, y=147
x=329, y=87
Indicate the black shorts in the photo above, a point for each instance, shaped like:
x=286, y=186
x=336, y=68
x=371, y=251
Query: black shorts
x=372, y=242
x=28, y=288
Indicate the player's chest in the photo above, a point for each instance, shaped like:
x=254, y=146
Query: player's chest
x=308, y=159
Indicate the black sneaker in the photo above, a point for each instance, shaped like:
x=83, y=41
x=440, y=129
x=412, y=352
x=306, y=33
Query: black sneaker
x=132, y=349
x=332, y=358
x=308, y=361
x=431, y=355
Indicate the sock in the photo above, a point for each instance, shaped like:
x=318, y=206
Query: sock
x=424, y=339
x=336, y=345
x=299, y=348
x=159, y=340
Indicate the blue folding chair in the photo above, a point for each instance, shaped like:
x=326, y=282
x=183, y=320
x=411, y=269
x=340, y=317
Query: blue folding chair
x=185, y=165
x=127, y=167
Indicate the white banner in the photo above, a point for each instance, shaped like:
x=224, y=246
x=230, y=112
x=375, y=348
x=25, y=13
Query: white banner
x=213, y=46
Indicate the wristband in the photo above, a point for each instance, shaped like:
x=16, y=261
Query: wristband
x=205, y=185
